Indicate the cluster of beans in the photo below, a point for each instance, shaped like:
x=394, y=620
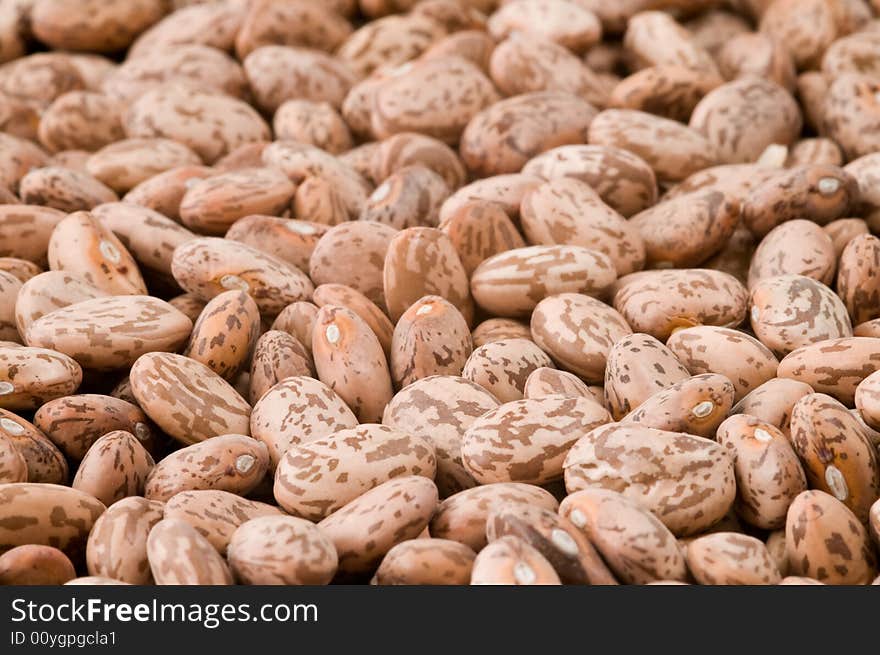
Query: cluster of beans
x=439, y=291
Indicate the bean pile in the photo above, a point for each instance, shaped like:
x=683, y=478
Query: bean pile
x=439, y=291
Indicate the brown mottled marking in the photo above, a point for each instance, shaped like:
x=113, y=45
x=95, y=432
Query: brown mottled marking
x=179, y=555
x=13, y=465
x=111, y=332
x=744, y=360
x=687, y=481
x=315, y=123
x=499, y=329
x=44, y=462
x=546, y=381
x=773, y=401
x=739, y=119
x=833, y=366
x=25, y=230
x=47, y=514
x=462, y=517
x=818, y=193
x=637, y=367
x=300, y=161
x=654, y=38
x=439, y=409
x=696, y=405
x=124, y=164
x=112, y=26
x=290, y=240
x=511, y=561
x=414, y=149
x=844, y=230
x=672, y=150
x=824, y=540
x=797, y=247
x=187, y=399
x=790, y=311
x=633, y=542
x=836, y=453
x=569, y=552
x=527, y=440
x=502, y=367
x=365, y=529
x=567, y=211
x=768, y=473
x=353, y=254
x=64, y=188
x=658, y=302
x=74, y=423
x=209, y=266
x=214, y=204
x=211, y=125
x=117, y=544
x=340, y=294
x=116, y=466
x=436, y=97
x=298, y=410
x=225, y=333
x=315, y=479
x=298, y=320
x=504, y=190
x=422, y=261
x=163, y=192
x=216, y=514
x=524, y=63
x=624, y=181
x=389, y=41
x=278, y=73
x=230, y=462
x=46, y=292
x=349, y=359
x=731, y=558
x=281, y=550
x=512, y=283
x=319, y=26
x=426, y=562
x=277, y=356
x=81, y=244
x=504, y=136
x=578, y=331
x=431, y=338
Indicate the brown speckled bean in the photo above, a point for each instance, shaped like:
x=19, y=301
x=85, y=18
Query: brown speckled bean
x=837, y=455
x=178, y=555
x=365, y=529
x=502, y=367
x=527, y=440
x=833, y=366
x=440, y=409
x=731, y=558
x=187, y=399
x=426, y=562
x=632, y=541
x=230, y=462
x=658, y=302
x=824, y=540
x=315, y=479
x=117, y=545
x=744, y=360
x=281, y=550
x=768, y=473
x=687, y=481
x=116, y=466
